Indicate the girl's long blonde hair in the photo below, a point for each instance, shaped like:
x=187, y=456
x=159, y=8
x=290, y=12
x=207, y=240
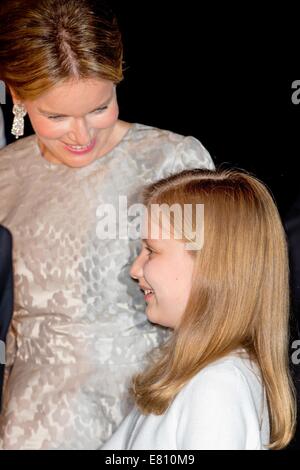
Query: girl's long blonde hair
x=239, y=296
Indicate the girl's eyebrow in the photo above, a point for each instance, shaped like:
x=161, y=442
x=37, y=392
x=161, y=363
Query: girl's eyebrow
x=150, y=243
x=147, y=241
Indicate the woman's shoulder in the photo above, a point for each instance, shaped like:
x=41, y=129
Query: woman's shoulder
x=181, y=151
x=21, y=149
x=143, y=131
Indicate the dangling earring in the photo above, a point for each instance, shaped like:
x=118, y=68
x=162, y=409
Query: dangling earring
x=18, y=124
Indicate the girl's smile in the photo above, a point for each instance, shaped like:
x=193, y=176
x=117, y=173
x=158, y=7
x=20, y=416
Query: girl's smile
x=164, y=269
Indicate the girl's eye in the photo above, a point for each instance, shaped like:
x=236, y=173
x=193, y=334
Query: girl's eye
x=149, y=250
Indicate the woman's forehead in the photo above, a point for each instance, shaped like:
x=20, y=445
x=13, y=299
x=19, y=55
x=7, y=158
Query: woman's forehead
x=83, y=92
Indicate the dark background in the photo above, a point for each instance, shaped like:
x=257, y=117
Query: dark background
x=214, y=75
x=215, y=72
x=184, y=73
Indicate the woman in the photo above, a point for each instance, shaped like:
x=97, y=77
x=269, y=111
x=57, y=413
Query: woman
x=2, y=130
x=78, y=328
x=6, y=295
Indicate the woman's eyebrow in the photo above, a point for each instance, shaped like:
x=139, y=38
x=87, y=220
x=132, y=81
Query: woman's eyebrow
x=52, y=113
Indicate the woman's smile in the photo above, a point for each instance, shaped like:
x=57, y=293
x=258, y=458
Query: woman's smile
x=81, y=149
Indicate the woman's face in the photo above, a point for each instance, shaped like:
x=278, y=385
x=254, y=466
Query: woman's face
x=164, y=267
x=75, y=121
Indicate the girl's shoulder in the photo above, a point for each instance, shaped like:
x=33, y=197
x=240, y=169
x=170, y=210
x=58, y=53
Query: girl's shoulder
x=223, y=407
x=233, y=374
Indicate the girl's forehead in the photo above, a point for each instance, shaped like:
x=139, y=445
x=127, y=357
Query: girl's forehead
x=156, y=230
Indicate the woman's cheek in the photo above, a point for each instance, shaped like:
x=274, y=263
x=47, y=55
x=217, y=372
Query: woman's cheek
x=106, y=120
x=48, y=129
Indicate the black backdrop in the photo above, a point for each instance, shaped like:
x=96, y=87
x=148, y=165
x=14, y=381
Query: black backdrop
x=215, y=85
x=185, y=73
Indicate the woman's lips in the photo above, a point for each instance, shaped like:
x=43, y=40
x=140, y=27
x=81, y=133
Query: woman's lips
x=82, y=151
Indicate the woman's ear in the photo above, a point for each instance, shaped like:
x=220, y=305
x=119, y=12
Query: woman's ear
x=15, y=98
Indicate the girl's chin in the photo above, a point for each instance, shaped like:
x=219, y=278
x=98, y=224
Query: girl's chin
x=152, y=316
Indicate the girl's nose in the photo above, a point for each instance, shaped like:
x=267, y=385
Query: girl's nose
x=136, y=270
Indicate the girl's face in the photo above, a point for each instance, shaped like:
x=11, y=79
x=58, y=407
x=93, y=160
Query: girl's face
x=164, y=271
x=75, y=121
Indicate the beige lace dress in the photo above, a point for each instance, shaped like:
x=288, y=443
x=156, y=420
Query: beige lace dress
x=79, y=330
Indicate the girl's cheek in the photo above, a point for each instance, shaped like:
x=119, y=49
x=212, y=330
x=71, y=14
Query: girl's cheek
x=145, y=268
x=150, y=270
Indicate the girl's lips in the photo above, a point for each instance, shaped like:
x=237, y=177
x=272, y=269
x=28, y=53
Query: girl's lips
x=81, y=152
x=148, y=296
x=145, y=289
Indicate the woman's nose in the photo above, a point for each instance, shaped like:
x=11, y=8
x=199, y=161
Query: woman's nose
x=79, y=132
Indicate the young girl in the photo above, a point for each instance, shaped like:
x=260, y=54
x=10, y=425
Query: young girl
x=222, y=379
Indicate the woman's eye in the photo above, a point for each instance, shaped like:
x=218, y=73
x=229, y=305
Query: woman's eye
x=101, y=110
x=98, y=111
x=149, y=250
x=55, y=117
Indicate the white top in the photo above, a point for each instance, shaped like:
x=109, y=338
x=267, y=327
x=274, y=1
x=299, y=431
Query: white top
x=222, y=408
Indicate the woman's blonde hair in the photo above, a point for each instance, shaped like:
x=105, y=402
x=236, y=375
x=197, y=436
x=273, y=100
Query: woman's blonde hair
x=239, y=296
x=47, y=42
